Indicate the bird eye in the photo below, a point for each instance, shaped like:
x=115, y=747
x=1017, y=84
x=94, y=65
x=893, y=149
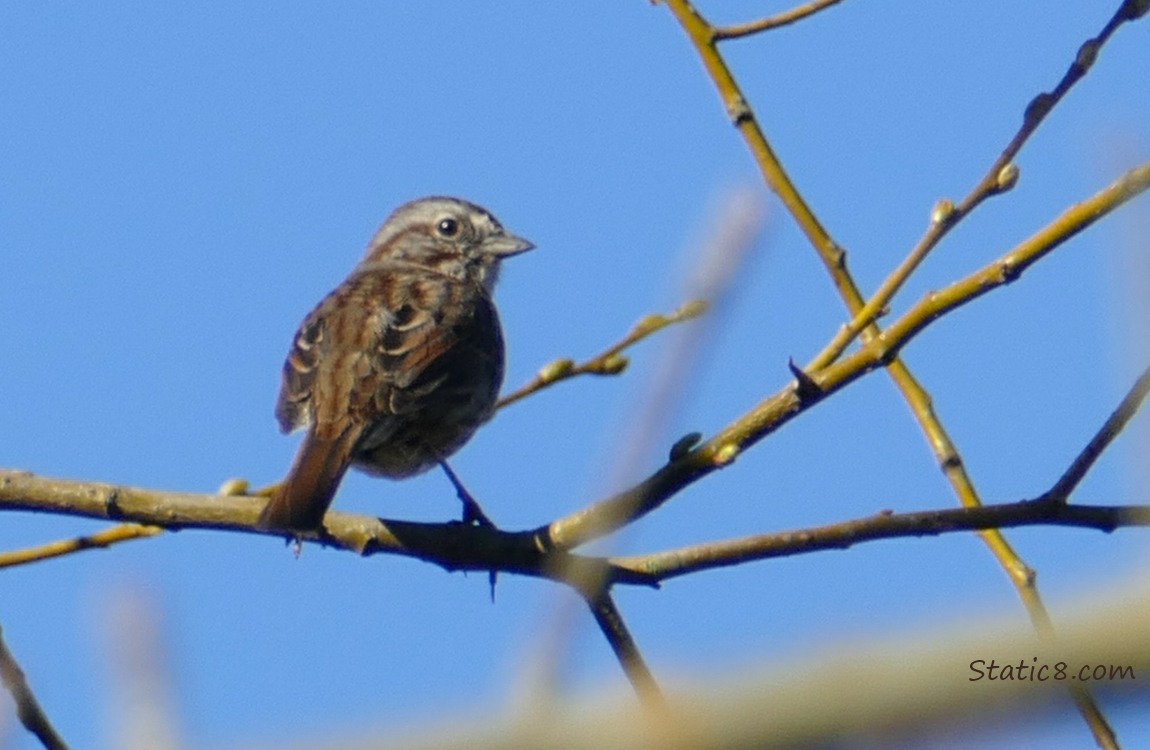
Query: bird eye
x=447, y=227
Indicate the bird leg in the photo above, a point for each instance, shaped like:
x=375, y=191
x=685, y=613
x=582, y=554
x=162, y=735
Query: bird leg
x=472, y=513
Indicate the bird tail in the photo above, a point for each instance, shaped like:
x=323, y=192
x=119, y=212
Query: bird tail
x=300, y=502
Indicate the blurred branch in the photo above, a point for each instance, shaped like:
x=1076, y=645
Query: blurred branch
x=907, y=690
x=1000, y=178
x=716, y=267
x=609, y=362
x=28, y=709
x=99, y=540
x=772, y=22
x=141, y=691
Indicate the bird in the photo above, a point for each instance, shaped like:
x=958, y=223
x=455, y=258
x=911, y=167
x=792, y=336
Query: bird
x=396, y=368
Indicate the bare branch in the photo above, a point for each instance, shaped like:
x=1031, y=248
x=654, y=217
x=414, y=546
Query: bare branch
x=772, y=22
x=1000, y=177
x=609, y=362
x=626, y=651
x=99, y=540
x=894, y=691
x=885, y=525
x=721, y=450
x=701, y=33
x=1110, y=430
x=28, y=709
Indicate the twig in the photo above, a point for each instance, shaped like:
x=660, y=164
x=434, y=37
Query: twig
x=609, y=362
x=28, y=709
x=1110, y=430
x=701, y=33
x=99, y=540
x=714, y=274
x=1000, y=178
x=886, y=525
x=626, y=651
x=141, y=689
x=721, y=450
x=833, y=258
x=772, y=22
x=1009, y=267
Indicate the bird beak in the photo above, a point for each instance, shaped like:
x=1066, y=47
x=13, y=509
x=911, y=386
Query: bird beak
x=505, y=245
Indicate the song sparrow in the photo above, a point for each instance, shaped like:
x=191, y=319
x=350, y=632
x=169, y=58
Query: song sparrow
x=396, y=368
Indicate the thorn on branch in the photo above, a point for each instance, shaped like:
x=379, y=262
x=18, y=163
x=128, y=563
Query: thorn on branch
x=112, y=504
x=806, y=389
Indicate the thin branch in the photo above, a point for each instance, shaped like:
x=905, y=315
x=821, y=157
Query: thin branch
x=772, y=22
x=610, y=621
x=1001, y=177
x=1009, y=267
x=885, y=525
x=99, y=540
x=28, y=709
x=722, y=449
x=1110, y=430
x=834, y=260
x=701, y=34
x=609, y=362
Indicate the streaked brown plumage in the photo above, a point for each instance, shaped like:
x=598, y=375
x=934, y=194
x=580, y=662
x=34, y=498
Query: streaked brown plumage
x=395, y=369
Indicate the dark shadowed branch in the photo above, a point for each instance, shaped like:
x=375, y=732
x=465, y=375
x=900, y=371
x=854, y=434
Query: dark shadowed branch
x=1102, y=439
x=626, y=651
x=28, y=709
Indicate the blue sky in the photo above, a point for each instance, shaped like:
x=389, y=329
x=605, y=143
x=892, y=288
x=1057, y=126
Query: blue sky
x=181, y=184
